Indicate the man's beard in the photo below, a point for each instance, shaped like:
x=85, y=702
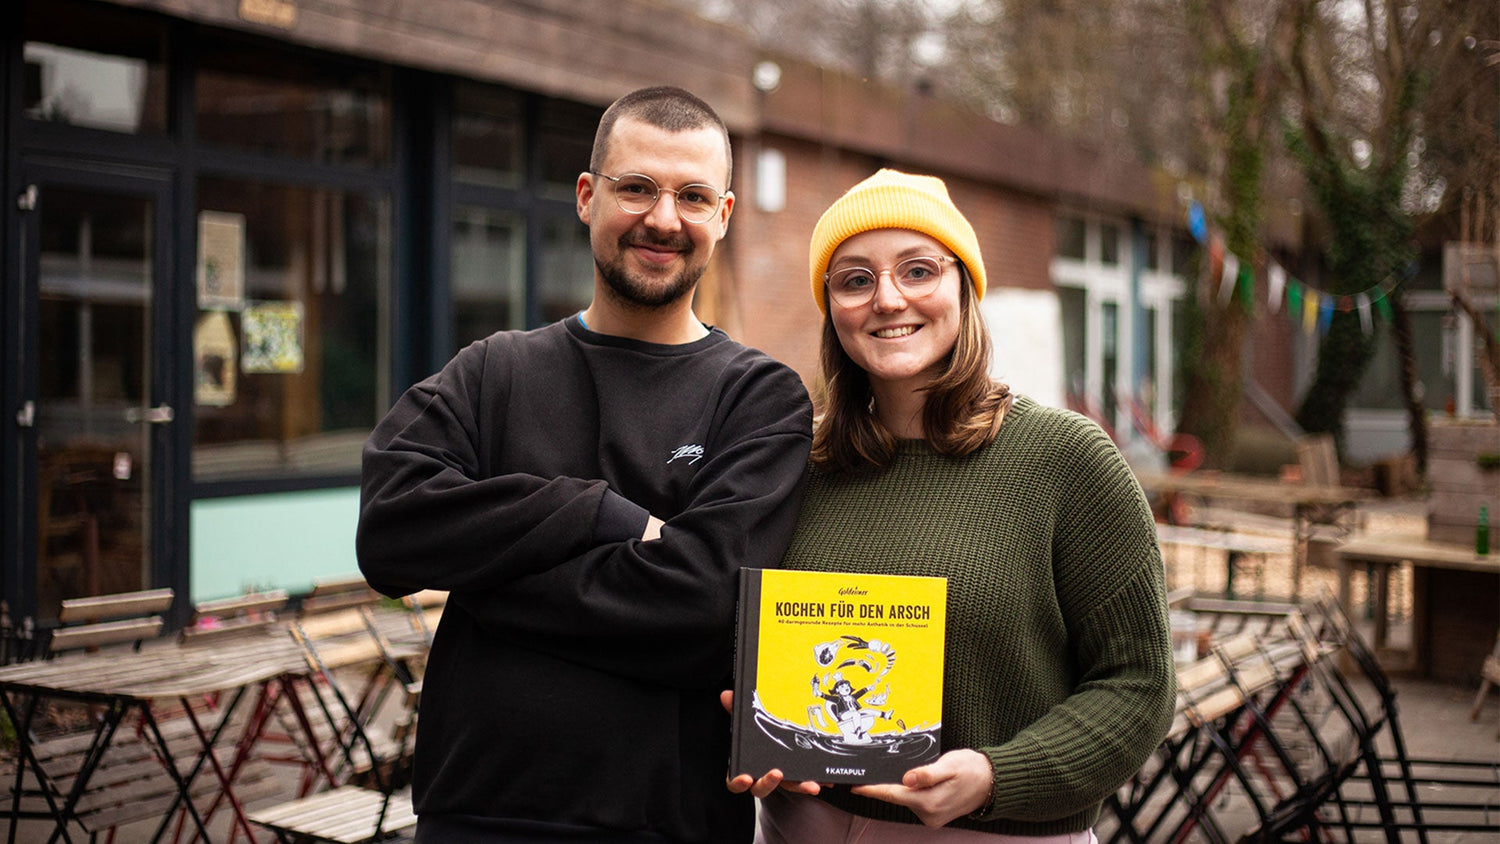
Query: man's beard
x=642, y=291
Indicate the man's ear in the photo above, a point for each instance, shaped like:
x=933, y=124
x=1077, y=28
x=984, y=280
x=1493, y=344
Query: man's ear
x=725, y=210
x=584, y=190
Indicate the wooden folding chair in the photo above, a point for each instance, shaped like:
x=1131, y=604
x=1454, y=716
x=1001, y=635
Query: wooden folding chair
x=427, y=609
x=103, y=620
x=308, y=732
x=1337, y=734
x=1173, y=795
x=349, y=813
x=1489, y=678
x=216, y=621
x=339, y=593
x=406, y=662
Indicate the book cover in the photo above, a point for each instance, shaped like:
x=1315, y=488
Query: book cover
x=838, y=677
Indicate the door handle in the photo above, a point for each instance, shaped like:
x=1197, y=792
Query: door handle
x=159, y=415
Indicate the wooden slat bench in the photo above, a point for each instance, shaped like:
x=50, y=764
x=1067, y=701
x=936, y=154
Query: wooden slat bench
x=1237, y=547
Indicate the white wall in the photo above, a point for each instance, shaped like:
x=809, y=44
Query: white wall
x=1026, y=329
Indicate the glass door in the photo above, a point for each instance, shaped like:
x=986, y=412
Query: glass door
x=93, y=286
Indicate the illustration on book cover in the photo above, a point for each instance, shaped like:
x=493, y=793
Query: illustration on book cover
x=839, y=676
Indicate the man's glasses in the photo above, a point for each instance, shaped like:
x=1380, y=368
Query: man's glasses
x=916, y=277
x=636, y=194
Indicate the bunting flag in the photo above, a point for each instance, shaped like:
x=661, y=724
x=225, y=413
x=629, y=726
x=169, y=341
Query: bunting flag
x=1230, y=277
x=1276, y=280
x=1313, y=307
x=1197, y=222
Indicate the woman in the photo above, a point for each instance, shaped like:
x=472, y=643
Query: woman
x=1058, y=677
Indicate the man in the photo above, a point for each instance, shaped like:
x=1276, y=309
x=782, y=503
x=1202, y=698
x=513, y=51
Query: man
x=587, y=492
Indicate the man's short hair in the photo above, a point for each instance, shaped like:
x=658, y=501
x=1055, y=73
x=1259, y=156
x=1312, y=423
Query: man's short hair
x=665, y=107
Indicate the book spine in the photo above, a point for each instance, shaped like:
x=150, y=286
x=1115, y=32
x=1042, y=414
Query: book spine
x=744, y=666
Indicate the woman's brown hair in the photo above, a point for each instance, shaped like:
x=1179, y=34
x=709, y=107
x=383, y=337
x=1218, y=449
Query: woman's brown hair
x=962, y=412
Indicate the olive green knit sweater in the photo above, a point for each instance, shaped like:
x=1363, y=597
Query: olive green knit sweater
x=1059, y=664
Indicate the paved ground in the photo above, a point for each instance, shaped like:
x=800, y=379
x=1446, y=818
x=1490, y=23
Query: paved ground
x=1435, y=721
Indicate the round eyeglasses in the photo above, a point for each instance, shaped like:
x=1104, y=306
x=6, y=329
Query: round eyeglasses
x=916, y=277
x=636, y=194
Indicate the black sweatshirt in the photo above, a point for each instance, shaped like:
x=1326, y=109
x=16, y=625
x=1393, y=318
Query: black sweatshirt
x=574, y=679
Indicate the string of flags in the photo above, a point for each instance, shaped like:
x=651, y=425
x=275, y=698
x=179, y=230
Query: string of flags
x=1312, y=307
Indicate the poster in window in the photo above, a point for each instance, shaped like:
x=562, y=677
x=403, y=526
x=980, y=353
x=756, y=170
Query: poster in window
x=221, y=260
x=271, y=337
x=215, y=355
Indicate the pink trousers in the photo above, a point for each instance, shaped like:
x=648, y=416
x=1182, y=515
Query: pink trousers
x=798, y=819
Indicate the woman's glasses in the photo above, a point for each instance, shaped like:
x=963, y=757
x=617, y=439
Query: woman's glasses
x=851, y=287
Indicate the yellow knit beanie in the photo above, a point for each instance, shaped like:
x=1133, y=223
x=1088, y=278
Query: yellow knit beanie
x=891, y=199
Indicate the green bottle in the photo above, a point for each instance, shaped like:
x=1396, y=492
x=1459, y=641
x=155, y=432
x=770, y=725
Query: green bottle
x=1482, y=532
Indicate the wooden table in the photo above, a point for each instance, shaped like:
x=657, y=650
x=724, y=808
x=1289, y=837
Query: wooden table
x=1434, y=565
x=164, y=676
x=1311, y=505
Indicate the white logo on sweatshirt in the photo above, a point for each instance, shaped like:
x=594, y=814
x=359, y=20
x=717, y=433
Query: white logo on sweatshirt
x=694, y=451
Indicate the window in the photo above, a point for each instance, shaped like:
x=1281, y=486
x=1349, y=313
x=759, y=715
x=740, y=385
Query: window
x=93, y=301
x=287, y=361
x=100, y=68
x=1184, y=255
x=1181, y=309
x=565, y=139
x=565, y=282
x=518, y=254
x=1073, y=301
x=1146, y=390
x=1071, y=234
x=1435, y=332
x=289, y=106
x=1110, y=340
x=1109, y=244
x=487, y=142
x=489, y=273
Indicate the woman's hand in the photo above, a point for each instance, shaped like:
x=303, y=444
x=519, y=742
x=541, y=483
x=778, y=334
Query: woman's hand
x=958, y=783
x=768, y=783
